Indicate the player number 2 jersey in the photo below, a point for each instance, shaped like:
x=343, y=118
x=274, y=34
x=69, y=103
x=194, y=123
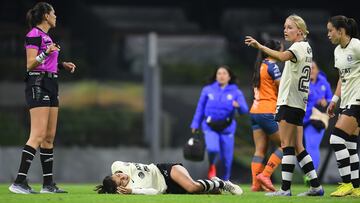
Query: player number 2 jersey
x=294, y=83
x=347, y=61
x=142, y=176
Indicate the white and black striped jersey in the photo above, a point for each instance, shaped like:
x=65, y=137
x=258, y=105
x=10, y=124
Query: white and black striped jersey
x=347, y=61
x=144, y=179
x=294, y=83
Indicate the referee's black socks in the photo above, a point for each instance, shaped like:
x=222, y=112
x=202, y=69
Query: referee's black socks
x=28, y=154
x=47, y=159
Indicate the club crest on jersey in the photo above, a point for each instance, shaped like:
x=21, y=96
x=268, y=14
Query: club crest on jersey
x=211, y=96
x=305, y=99
x=309, y=50
x=229, y=97
x=323, y=88
x=349, y=58
x=141, y=175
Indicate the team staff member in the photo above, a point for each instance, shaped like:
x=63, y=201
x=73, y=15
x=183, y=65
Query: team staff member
x=266, y=80
x=151, y=179
x=319, y=97
x=291, y=102
x=215, y=112
x=343, y=32
x=41, y=94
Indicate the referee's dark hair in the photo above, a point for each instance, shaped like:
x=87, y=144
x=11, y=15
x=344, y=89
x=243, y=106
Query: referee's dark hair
x=109, y=186
x=36, y=14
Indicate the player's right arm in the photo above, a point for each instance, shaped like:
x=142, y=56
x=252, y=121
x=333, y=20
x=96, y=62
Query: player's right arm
x=278, y=55
x=32, y=57
x=337, y=94
x=137, y=191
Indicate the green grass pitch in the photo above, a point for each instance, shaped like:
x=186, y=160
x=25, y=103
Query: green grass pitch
x=83, y=193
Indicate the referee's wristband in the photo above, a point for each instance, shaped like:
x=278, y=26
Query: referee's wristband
x=335, y=98
x=41, y=57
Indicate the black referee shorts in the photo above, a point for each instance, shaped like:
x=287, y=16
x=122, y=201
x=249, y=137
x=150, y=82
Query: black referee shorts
x=41, y=91
x=290, y=114
x=354, y=111
x=172, y=186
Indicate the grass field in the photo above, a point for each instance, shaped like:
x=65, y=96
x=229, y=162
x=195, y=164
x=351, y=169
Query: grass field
x=83, y=193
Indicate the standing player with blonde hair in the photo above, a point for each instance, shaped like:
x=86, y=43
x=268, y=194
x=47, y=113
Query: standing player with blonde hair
x=291, y=103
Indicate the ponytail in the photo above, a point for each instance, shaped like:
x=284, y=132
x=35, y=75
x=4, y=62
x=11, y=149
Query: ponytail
x=36, y=14
x=349, y=24
x=272, y=44
x=108, y=186
x=256, y=75
x=353, y=28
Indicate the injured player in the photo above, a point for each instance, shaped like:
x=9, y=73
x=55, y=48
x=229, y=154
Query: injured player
x=151, y=179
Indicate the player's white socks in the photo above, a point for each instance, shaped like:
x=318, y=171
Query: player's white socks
x=307, y=166
x=287, y=167
x=351, y=145
x=210, y=185
x=338, y=139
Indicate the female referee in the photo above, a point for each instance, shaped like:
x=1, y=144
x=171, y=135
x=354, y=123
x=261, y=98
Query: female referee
x=41, y=95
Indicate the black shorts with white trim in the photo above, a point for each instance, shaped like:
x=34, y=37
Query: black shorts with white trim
x=290, y=114
x=354, y=111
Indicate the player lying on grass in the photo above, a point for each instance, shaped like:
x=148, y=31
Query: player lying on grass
x=137, y=178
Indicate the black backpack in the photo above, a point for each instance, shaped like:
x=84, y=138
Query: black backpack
x=194, y=148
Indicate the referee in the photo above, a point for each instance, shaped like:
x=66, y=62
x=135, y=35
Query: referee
x=41, y=95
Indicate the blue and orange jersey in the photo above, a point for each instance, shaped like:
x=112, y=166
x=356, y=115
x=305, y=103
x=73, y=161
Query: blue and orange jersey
x=265, y=96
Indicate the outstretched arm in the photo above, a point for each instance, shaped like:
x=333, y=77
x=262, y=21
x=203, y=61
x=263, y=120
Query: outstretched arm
x=278, y=55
